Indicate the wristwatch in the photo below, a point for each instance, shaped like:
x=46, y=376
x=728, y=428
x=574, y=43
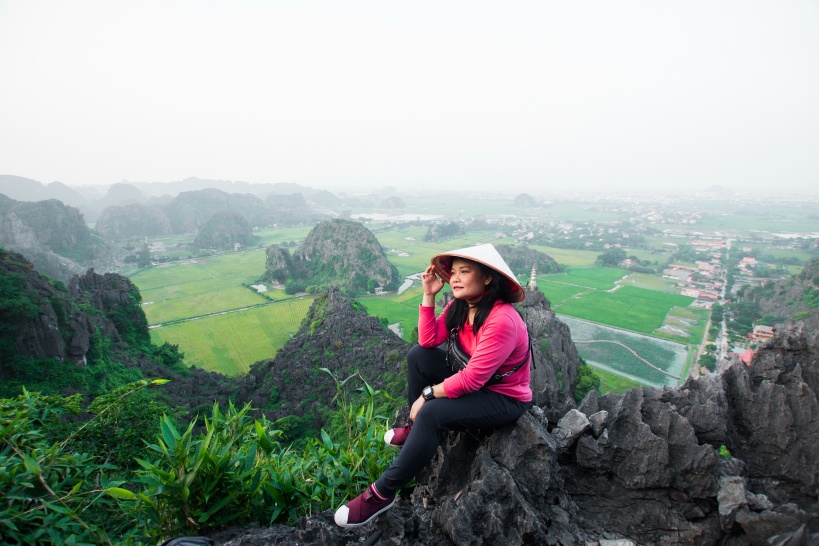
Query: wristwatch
x=428, y=393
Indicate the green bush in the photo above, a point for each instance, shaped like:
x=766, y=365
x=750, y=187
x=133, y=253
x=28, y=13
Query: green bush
x=237, y=471
x=48, y=494
x=586, y=382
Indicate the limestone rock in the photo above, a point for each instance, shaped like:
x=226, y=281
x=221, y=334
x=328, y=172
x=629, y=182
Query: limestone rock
x=570, y=427
x=598, y=422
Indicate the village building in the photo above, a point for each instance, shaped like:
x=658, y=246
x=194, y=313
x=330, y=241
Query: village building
x=762, y=333
x=156, y=246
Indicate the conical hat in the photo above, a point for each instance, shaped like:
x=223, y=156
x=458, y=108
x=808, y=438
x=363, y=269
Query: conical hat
x=485, y=254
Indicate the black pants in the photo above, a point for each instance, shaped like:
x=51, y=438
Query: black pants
x=483, y=409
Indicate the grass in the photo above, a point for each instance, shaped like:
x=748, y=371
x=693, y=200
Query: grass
x=630, y=308
x=684, y=324
x=651, y=282
x=198, y=287
x=410, y=240
x=231, y=342
x=602, y=278
x=558, y=293
x=614, y=383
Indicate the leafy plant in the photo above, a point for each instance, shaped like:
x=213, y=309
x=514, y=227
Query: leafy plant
x=236, y=471
x=585, y=382
x=48, y=494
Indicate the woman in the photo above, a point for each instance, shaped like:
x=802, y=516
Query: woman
x=492, y=390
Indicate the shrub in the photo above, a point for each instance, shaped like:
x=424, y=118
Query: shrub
x=48, y=493
x=237, y=471
x=586, y=382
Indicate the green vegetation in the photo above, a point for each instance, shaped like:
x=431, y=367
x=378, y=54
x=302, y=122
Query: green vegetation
x=197, y=287
x=602, y=278
x=558, y=292
x=631, y=308
x=229, y=343
x=587, y=381
x=639, y=302
x=614, y=383
x=235, y=471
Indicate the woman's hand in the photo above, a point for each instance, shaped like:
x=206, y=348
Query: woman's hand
x=416, y=407
x=430, y=281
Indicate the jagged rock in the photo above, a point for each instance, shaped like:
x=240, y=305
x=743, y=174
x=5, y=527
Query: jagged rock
x=731, y=497
x=570, y=427
x=555, y=355
x=337, y=334
x=774, y=424
x=598, y=422
x=362, y=259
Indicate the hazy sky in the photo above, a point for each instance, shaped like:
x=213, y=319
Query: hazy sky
x=515, y=95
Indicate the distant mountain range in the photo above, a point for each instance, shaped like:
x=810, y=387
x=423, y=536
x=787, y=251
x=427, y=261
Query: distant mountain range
x=93, y=200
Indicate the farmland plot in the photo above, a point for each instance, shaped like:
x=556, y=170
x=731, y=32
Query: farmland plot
x=197, y=287
x=628, y=307
x=665, y=359
x=229, y=343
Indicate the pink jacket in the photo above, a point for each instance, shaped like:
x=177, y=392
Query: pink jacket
x=501, y=343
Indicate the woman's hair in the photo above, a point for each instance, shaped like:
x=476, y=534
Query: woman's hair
x=498, y=288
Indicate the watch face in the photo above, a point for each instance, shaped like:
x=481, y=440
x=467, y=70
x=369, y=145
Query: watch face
x=428, y=393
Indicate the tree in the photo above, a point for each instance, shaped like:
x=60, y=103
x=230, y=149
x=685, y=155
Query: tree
x=709, y=362
x=586, y=382
x=144, y=256
x=612, y=257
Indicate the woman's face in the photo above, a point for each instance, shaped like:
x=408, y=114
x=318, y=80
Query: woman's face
x=466, y=281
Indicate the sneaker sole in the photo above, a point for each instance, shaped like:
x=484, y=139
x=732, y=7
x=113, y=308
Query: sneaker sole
x=369, y=519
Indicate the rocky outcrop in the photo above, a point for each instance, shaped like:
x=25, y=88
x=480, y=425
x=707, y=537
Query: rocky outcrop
x=790, y=298
x=524, y=200
x=521, y=259
x=642, y=467
x=190, y=212
x=338, y=253
x=556, y=359
x=134, y=220
x=54, y=237
x=223, y=231
x=46, y=320
x=337, y=335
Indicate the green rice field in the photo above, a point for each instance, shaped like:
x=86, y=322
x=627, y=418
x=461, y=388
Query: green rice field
x=684, y=324
x=594, y=346
x=229, y=343
x=191, y=288
x=630, y=308
x=600, y=278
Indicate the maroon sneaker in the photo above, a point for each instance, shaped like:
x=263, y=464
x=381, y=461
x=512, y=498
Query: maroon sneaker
x=363, y=508
x=397, y=436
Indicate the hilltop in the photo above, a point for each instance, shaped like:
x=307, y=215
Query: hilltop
x=338, y=253
x=55, y=237
x=789, y=298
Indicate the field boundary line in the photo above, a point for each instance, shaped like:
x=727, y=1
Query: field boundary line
x=632, y=351
x=223, y=312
